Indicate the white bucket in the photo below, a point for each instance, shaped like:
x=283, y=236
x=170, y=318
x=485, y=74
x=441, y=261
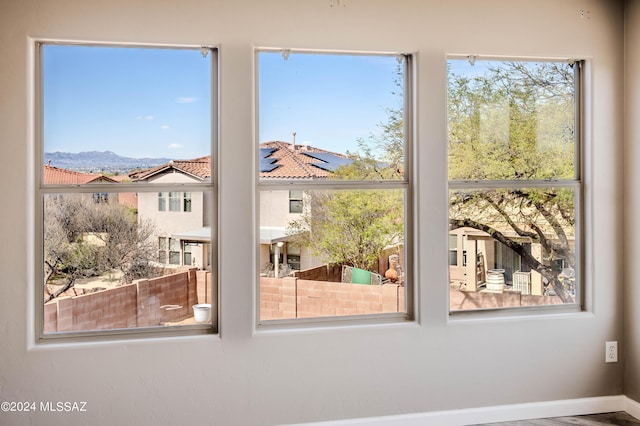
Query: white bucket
x=202, y=312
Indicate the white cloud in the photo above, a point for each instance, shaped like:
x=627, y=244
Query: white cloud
x=164, y=127
x=145, y=117
x=175, y=146
x=186, y=100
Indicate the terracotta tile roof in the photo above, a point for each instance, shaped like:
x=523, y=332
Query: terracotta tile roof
x=57, y=176
x=198, y=167
x=297, y=161
x=121, y=178
x=287, y=161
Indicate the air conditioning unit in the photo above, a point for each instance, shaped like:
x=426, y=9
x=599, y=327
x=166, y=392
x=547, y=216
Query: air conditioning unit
x=522, y=282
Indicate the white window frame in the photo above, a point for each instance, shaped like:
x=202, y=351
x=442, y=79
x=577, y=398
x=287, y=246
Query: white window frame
x=175, y=201
x=576, y=184
x=163, y=249
x=174, y=244
x=162, y=201
x=41, y=190
x=406, y=184
x=298, y=200
x=186, y=202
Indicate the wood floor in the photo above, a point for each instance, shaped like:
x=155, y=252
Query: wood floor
x=618, y=418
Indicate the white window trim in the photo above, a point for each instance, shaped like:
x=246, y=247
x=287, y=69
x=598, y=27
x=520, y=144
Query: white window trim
x=578, y=184
x=407, y=184
x=40, y=190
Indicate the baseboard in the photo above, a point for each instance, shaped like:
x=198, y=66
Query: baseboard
x=632, y=407
x=502, y=413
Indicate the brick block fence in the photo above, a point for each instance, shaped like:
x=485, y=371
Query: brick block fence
x=291, y=297
x=144, y=303
x=461, y=300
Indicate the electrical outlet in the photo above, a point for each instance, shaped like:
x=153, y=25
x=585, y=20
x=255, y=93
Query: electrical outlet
x=611, y=352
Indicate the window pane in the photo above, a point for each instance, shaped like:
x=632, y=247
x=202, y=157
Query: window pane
x=325, y=119
x=511, y=120
x=163, y=247
x=113, y=109
x=162, y=201
x=523, y=245
x=174, y=244
x=325, y=116
x=174, y=257
x=99, y=260
x=453, y=250
x=348, y=245
x=296, y=194
x=187, y=201
x=127, y=118
x=295, y=206
x=111, y=253
x=174, y=201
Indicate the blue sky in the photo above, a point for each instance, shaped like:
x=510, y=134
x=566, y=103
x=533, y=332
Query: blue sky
x=134, y=102
x=330, y=101
x=156, y=102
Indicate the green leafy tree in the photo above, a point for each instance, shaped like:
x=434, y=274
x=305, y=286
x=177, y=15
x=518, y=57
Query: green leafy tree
x=516, y=122
x=351, y=227
x=355, y=227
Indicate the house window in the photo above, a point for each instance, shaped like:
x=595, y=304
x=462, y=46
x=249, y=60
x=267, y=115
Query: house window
x=453, y=250
x=295, y=201
x=174, y=251
x=117, y=110
x=187, y=259
x=177, y=201
x=293, y=256
x=163, y=248
x=345, y=173
x=162, y=201
x=174, y=201
x=515, y=180
x=186, y=202
x=100, y=197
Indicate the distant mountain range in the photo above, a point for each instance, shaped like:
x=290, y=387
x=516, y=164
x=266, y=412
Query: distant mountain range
x=100, y=162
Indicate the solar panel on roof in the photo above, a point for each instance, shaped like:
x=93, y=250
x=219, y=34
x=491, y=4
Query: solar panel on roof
x=265, y=152
x=330, y=162
x=267, y=164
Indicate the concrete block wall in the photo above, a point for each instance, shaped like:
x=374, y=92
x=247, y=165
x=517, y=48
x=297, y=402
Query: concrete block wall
x=278, y=298
x=144, y=303
x=461, y=300
x=203, y=288
x=291, y=297
x=109, y=309
x=317, y=299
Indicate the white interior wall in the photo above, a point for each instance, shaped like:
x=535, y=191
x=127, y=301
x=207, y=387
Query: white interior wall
x=246, y=377
x=632, y=201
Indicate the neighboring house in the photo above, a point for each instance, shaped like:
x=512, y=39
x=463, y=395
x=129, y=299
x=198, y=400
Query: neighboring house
x=286, y=161
x=472, y=253
x=57, y=176
x=183, y=219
